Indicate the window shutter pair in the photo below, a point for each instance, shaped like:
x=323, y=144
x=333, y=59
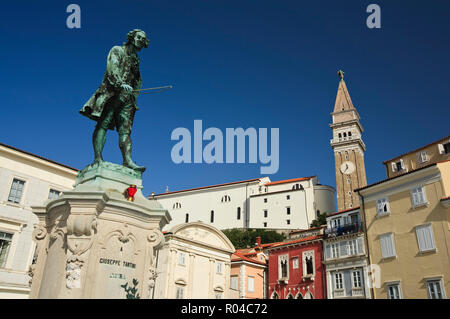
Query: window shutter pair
x=425, y=237
x=422, y=157
x=418, y=196
x=387, y=245
x=383, y=206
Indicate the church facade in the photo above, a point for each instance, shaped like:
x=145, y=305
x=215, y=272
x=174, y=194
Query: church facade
x=256, y=203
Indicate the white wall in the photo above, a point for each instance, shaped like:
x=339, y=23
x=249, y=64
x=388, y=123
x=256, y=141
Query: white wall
x=39, y=176
x=303, y=204
x=200, y=203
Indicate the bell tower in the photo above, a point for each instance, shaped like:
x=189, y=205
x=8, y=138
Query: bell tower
x=348, y=148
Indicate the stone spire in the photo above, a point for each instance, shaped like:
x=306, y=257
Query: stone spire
x=343, y=100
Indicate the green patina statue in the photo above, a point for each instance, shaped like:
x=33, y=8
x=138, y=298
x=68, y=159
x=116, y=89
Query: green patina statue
x=114, y=103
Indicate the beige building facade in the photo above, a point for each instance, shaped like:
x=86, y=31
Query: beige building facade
x=407, y=219
x=26, y=180
x=432, y=153
x=194, y=263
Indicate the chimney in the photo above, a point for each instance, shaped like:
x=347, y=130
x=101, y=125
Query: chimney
x=258, y=241
x=167, y=189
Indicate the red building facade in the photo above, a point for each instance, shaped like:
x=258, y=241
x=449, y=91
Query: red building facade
x=296, y=270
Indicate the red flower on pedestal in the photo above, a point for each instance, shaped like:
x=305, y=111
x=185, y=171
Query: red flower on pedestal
x=130, y=192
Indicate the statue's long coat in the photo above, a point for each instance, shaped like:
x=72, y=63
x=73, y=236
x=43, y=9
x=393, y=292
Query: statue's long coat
x=122, y=68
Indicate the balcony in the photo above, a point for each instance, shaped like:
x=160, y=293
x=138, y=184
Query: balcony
x=350, y=228
x=338, y=293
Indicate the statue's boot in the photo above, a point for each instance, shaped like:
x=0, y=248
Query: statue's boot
x=125, y=147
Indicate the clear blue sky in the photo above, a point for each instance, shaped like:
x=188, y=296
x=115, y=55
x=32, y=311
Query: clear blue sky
x=259, y=64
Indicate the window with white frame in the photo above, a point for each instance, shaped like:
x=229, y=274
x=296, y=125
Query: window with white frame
x=219, y=267
x=308, y=263
x=234, y=282
x=398, y=166
x=251, y=284
x=338, y=281
x=387, y=245
x=418, y=196
x=394, y=291
x=295, y=263
x=15, y=193
x=218, y=294
x=425, y=238
x=335, y=222
x=5, y=244
x=444, y=148
x=352, y=247
x=283, y=267
x=181, y=258
x=383, y=207
x=356, y=279
x=53, y=194
x=335, y=250
x=434, y=288
x=422, y=157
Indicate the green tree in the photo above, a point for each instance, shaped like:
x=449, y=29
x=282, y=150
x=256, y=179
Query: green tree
x=246, y=238
x=319, y=221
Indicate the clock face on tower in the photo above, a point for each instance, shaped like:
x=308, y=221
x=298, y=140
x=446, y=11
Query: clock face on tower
x=347, y=167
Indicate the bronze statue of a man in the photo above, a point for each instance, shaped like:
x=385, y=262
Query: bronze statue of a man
x=114, y=103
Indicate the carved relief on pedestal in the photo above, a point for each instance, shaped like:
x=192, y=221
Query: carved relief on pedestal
x=39, y=234
x=80, y=231
x=156, y=241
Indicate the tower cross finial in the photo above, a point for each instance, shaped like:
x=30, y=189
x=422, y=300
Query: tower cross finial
x=341, y=74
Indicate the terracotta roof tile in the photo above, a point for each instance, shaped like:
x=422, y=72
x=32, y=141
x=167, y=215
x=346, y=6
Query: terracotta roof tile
x=297, y=241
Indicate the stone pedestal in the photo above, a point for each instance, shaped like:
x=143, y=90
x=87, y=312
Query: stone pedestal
x=93, y=243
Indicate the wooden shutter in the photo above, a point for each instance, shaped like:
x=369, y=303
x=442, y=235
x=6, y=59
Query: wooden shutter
x=343, y=248
x=387, y=245
x=360, y=245
x=425, y=237
x=441, y=148
x=394, y=167
x=327, y=251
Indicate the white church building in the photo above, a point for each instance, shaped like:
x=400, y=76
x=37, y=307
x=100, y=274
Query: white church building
x=254, y=203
